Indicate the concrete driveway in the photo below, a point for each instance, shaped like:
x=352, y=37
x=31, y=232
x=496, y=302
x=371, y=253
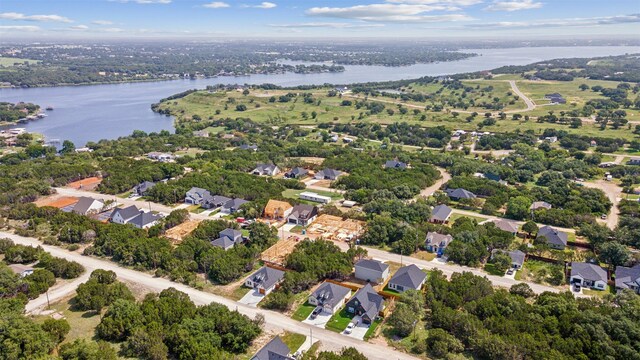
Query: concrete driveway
x=320, y=321
x=512, y=276
x=252, y=298
x=359, y=331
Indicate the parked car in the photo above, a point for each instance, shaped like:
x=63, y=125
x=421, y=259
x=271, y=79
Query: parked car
x=315, y=312
x=350, y=327
x=603, y=217
x=576, y=287
x=510, y=271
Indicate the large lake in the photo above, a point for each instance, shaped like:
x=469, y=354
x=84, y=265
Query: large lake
x=94, y=112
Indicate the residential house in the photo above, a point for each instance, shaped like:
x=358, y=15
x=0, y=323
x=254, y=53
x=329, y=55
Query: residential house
x=517, y=257
x=88, y=206
x=143, y=187
x=196, y=196
x=124, y=215
x=327, y=174
x=540, y=205
x=408, y=277
x=395, y=164
x=440, y=214
x=460, y=193
x=311, y=196
x=551, y=139
x=232, y=206
x=20, y=269
x=330, y=296
x=555, y=98
x=214, y=201
x=265, y=279
x=371, y=271
x=436, y=243
x=275, y=349
x=161, y=157
x=277, y=210
x=628, y=278
x=555, y=238
x=588, y=275
x=266, y=169
x=366, y=303
x=302, y=215
x=251, y=147
x=507, y=225
x=145, y=220
x=201, y=133
x=227, y=239
x=296, y=173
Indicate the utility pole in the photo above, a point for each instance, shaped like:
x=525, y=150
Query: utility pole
x=48, y=303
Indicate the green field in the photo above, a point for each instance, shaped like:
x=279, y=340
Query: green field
x=339, y=321
x=9, y=61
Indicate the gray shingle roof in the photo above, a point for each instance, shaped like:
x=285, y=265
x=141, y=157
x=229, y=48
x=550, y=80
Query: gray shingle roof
x=267, y=277
x=395, y=164
x=409, y=277
x=265, y=168
x=370, y=301
x=506, y=225
x=517, y=257
x=297, y=171
x=372, y=265
x=330, y=294
x=144, y=219
x=626, y=277
x=460, y=193
x=540, y=205
x=303, y=211
x=126, y=213
x=588, y=271
x=234, y=203
x=553, y=236
x=232, y=234
x=329, y=173
x=437, y=238
x=144, y=186
x=198, y=193
x=275, y=349
x=223, y=242
x=441, y=213
x=82, y=206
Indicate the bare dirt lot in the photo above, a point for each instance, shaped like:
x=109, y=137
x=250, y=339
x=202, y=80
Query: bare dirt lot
x=89, y=184
x=57, y=201
x=179, y=232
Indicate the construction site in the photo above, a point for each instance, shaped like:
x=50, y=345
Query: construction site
x=336, y=228
x=57, y=201
x=277, y=253
x=179, y=232
x=89, y=184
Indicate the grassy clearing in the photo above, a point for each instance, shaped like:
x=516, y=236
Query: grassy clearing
x=491, y=269
x=536, y=271
x=293, y=340
x=424, y=255
x=303, y=312
x=407, y=343
x=372, y=329
x=339, y=321
x=83, y=322
x=10, y=61
x=457, y=216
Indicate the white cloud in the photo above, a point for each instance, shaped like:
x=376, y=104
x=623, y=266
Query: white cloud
x=513, y=5
x=23, y=17
x=551, y=23
x=263, y=5
x=333, y=25
x=29, y=28
x=389, y=13
x=102, y=22
x=79, y=27
x=216, y=5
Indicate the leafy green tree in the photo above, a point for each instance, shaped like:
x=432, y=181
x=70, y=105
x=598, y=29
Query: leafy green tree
x=83, y=349
x=68, y=147
x=530, y=227
x=440, y=343
x=614, y=253
x=518, y=207
x=402, y=319
x=501, y=261
x=119, y=322
x=57, y=329
x=522, y=289
x=39, y=282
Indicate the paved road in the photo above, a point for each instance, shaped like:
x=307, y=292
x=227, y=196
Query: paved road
x=273, y=320
x=530, y=104
x=614, y=193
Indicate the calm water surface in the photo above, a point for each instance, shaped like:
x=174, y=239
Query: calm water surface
x=94, y=112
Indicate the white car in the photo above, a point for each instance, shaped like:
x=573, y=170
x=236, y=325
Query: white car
x=349, y=328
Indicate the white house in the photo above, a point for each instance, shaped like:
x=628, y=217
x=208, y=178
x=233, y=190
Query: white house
x=311, y=196
x=265, y=279
x=87, y=205
x=588, y=275
x=371, y=271
x=124, y=215
x=408, y=277
x=330, y=296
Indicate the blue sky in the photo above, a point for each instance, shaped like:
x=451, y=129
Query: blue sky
x=341, y=19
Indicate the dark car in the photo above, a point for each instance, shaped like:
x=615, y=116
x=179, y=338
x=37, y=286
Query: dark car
x=577, y=287
x=315, y=312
